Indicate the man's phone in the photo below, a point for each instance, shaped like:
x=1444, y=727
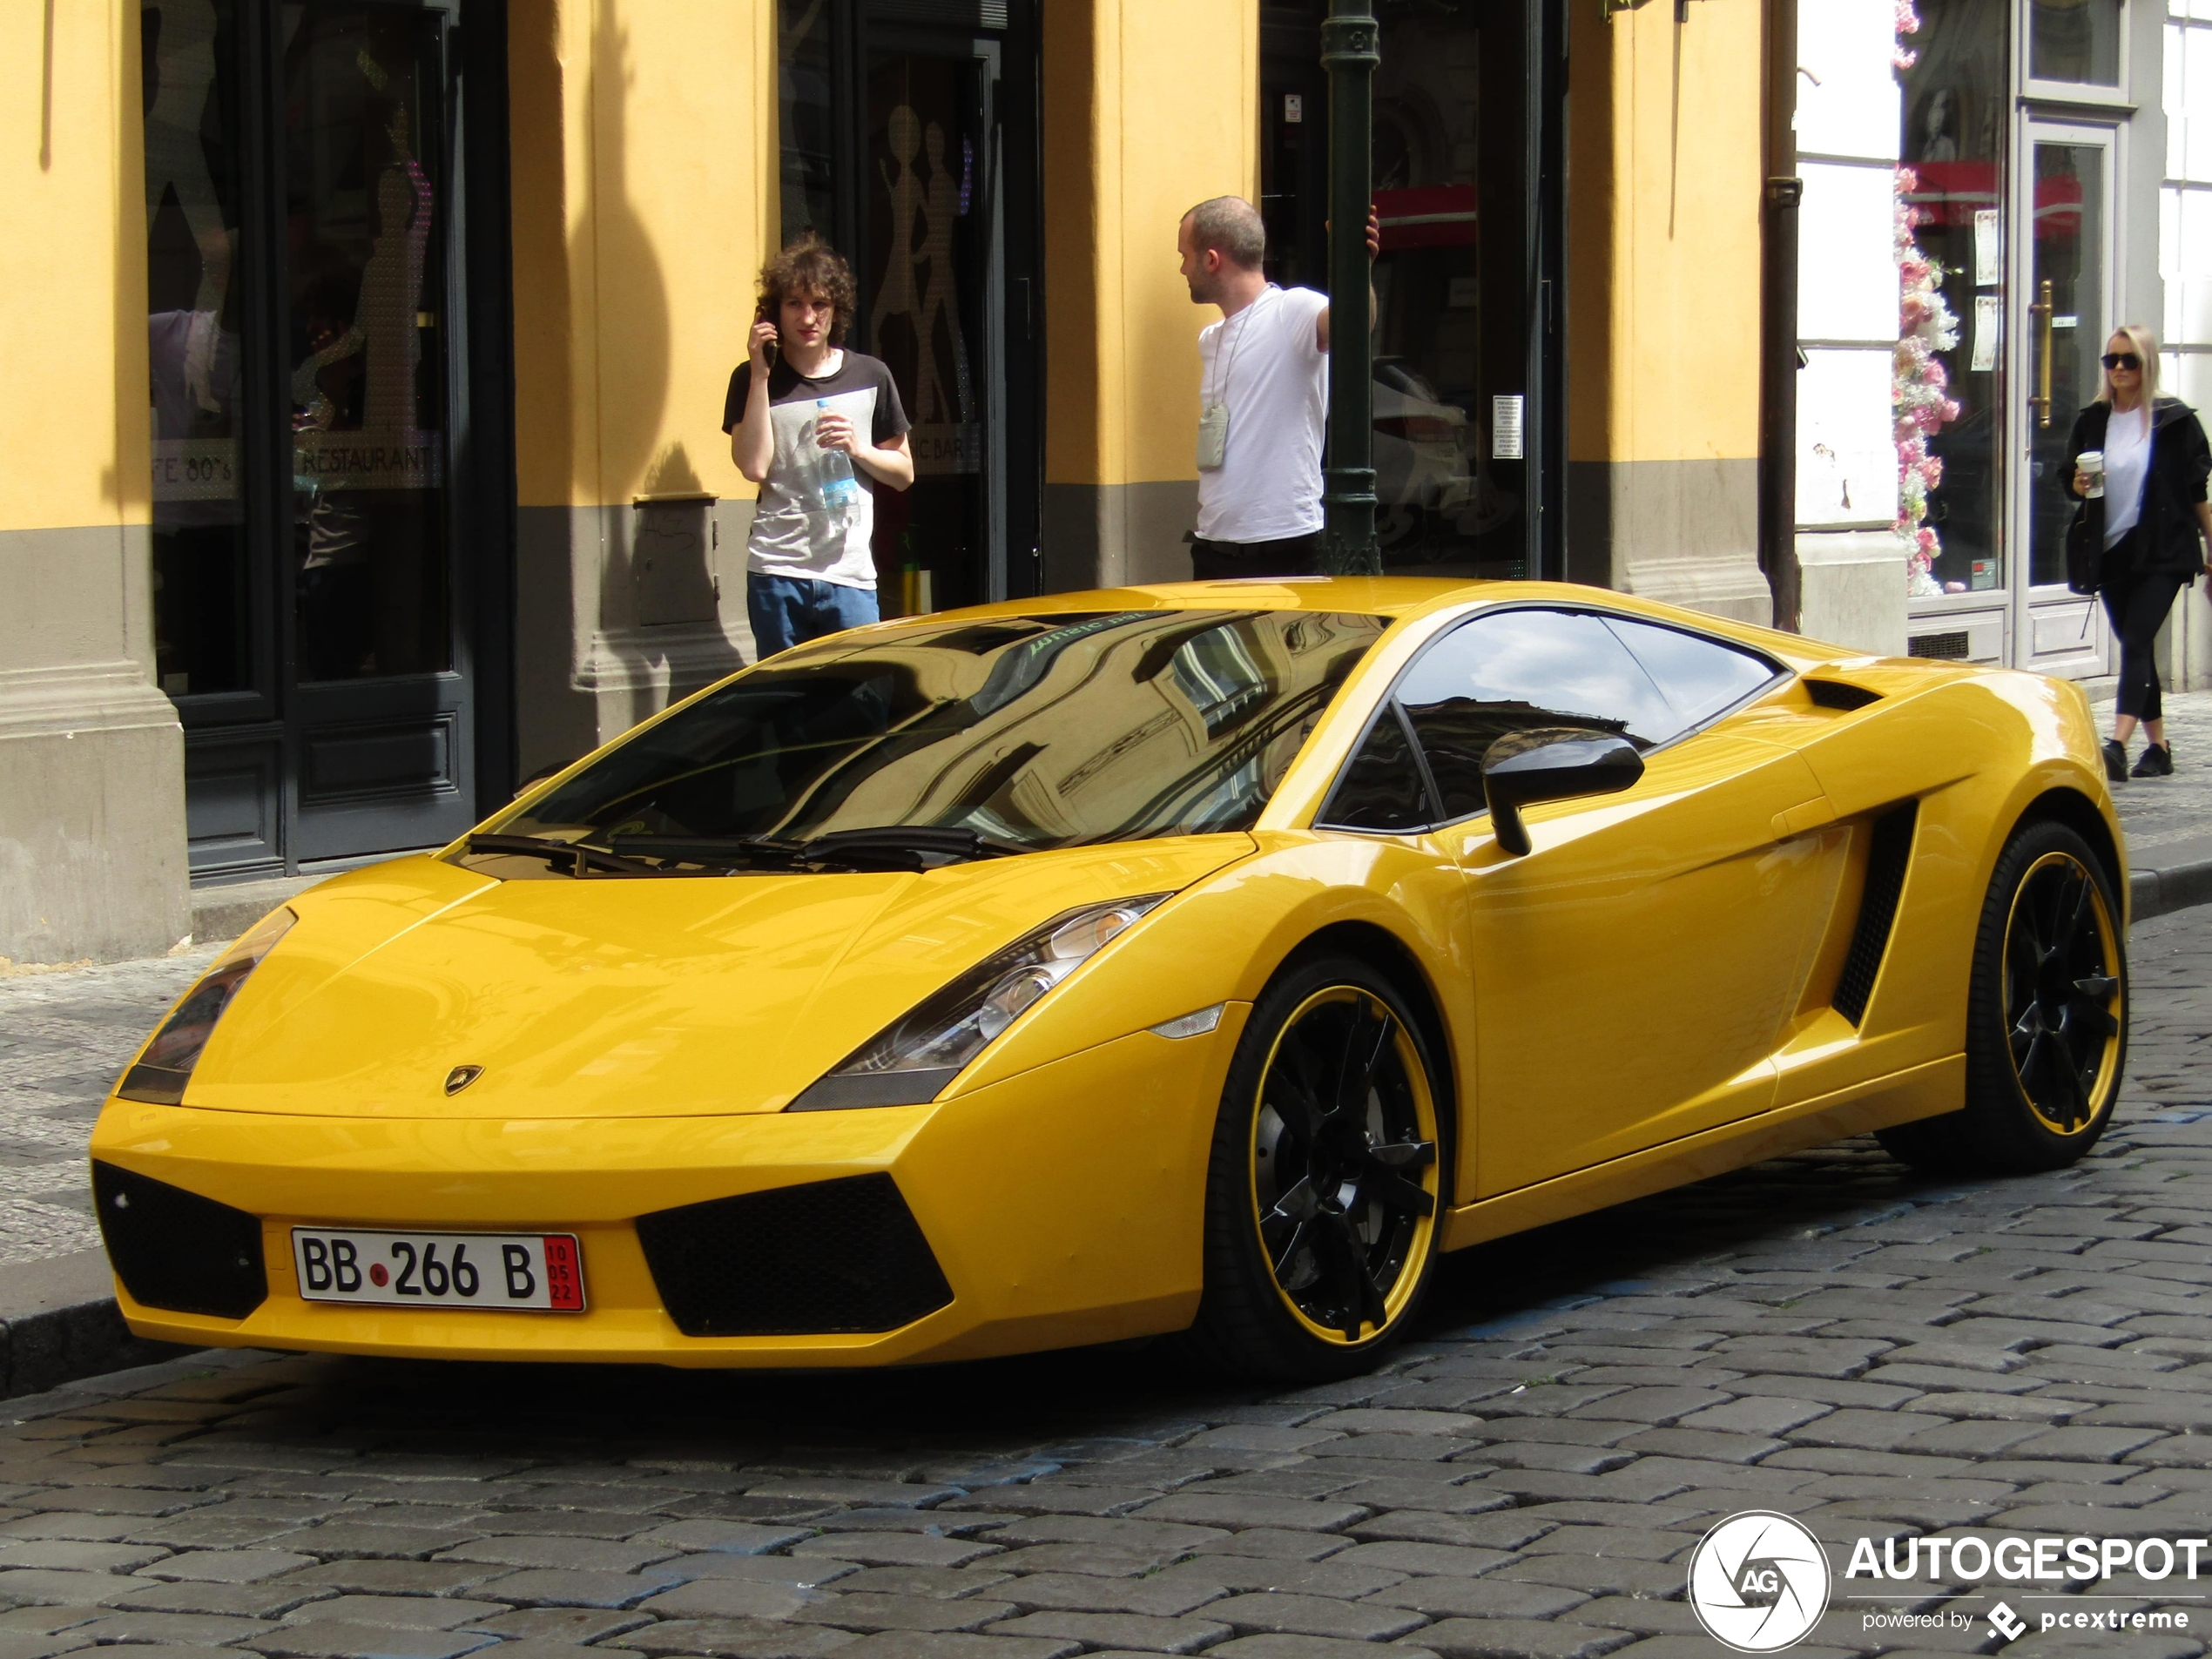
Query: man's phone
x=761, y=314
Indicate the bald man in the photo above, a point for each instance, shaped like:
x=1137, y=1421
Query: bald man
x=1264, y=393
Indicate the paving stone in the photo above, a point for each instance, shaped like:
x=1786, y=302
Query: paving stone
x=1273, y=1544
x=916, y=1613
x=335, y=1639
x=2093, y=1445
x=233, y=1601
x=1341, y=1576
x=1130, y=1632
x=571, y=1554
x=1314, y=1615
x=1398, y=1555
x=228, y=1566
x=559, y=1587
x=1301, y=1647
x=916, y=1644
x=1479, y=1598
x=1506, y=1530
x=568, y=1625
x=1235, y=1512
x=737, y=1639
x=1521, y=1638
x=727, y=1598
x=395, y=1577
x=896, y=1549
x=736, y=1537
x=425, y=1612
x=180, y=1629
x=1160, y=1596
x=55, y=1587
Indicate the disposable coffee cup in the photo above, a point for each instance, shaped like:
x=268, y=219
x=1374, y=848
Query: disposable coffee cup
x=2091, y=465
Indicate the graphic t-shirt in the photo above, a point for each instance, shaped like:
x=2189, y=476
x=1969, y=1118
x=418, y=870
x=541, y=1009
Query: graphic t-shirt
x=1265, y=364
x=815, y=516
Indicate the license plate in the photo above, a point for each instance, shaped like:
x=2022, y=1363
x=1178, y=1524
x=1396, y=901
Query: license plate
x=542, y=1271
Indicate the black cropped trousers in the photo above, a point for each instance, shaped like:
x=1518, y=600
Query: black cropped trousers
x=2137, y=602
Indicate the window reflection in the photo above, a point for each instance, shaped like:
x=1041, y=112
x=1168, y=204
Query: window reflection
x=201, y=643
x=365, y=223
x=803, y=79
x=2074, y=40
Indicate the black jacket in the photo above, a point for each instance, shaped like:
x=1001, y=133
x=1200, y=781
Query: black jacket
x=2168, y=540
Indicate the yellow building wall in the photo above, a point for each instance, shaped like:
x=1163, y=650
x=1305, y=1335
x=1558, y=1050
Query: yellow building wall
x=1149, y=109
x=643, y=144
x=1665, y=174
x=73, y=425
x=1664, y=178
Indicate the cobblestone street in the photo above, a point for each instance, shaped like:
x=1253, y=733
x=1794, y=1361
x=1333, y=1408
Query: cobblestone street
x=1827, y=1335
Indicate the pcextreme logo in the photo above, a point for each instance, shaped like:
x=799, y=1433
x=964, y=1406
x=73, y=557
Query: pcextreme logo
x=1758, y=1582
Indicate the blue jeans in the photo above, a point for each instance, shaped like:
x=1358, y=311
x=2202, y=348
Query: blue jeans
x=787, y=610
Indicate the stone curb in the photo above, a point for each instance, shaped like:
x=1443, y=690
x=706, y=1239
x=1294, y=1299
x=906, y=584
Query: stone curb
x=2160, y=893
x=59, y=1321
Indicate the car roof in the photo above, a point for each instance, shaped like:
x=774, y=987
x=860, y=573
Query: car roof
x=1405, y=599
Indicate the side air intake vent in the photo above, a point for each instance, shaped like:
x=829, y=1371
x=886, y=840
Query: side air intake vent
x=1839, y=694
x=176, y=1250
x=1888, y=853
x=795, y=1261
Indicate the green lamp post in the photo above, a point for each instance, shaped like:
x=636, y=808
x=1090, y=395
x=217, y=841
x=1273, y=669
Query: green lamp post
x=1351, y=42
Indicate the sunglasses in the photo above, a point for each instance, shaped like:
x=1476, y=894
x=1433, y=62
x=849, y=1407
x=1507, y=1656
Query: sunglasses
x=2127, y=360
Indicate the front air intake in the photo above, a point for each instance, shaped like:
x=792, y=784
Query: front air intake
x=1888, y=853
x=831, y=1256
x=175, y=1250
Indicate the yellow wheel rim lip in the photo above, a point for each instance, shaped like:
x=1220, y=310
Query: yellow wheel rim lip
x=1432, y=1177
x=2100, y=1093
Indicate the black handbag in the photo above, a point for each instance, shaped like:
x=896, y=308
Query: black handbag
x=2085, y=547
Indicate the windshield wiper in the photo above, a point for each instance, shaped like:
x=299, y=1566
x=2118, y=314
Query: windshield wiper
x=575, y=855
x=886, y=846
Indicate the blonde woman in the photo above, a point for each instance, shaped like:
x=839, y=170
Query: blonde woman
x=2157, y=522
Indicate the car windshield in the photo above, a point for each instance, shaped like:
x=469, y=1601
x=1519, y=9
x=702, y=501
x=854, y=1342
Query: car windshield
x=957, y=737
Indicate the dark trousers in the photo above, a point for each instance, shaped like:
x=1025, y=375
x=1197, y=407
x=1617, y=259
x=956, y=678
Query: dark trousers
x=1255, y=560
x=2137, y=602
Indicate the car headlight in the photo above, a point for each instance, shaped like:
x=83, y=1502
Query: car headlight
x=166, y=1066
x=912, y=1059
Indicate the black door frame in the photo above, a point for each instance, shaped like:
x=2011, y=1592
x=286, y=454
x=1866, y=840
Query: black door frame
x=1290, y=59
x=257, y=731
x=1017, y=345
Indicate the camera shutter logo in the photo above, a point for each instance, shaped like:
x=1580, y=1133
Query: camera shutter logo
x=1758, y=1582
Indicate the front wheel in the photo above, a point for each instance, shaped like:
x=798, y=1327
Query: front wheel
x=2046, y=1015
x=1325, y=1187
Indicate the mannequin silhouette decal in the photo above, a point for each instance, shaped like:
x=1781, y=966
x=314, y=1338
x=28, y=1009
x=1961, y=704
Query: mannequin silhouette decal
x=920, y=284
x=184, y=75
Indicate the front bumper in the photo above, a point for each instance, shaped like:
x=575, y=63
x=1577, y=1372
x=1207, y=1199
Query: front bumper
x=1064, y=1205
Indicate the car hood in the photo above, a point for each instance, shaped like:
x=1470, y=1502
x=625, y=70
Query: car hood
x=621, y=998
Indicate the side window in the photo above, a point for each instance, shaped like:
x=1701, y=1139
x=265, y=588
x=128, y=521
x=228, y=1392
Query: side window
x=1700, y=677
x=1382, y=789
x=1517, y=671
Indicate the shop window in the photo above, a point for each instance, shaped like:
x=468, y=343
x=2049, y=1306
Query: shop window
x=202, y=640
x=1956, y=108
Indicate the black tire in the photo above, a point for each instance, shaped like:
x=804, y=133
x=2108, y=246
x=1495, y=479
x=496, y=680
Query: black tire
x=2047, y=1016
x=1328, y=1179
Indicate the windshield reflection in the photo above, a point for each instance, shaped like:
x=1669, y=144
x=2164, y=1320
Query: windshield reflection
x=1030, y=732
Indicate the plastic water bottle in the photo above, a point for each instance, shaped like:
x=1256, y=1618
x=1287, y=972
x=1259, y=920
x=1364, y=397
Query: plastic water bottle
x=835, y=488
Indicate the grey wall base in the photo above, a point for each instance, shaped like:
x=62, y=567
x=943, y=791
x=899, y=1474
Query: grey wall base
x=58, y=1321
x=619, y=611
x=92, y=756
x=1684, y=532
x=1112, y=535
x=1853, y=588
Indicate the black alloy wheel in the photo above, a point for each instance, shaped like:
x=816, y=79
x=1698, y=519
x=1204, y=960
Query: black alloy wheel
x=1327, y=1185
x=2046, y=1015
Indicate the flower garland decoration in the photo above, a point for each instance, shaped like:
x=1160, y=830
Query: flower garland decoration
x=1919, y=386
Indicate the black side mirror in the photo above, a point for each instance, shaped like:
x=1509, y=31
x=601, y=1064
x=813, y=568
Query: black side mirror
x=1558, y=763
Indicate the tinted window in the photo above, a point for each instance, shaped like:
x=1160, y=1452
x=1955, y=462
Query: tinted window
x=1700, y=677
x=1522, y=670
x=1045, y=731
x=1382, y=788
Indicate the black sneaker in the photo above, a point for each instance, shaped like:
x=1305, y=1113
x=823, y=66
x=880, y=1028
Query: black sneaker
x=2115, y=760
x=2157, y=762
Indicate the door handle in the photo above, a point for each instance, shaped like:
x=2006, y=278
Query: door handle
x=2041, y=401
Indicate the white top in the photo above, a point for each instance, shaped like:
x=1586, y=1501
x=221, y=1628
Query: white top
x=2126, y=470
x=1265, y=364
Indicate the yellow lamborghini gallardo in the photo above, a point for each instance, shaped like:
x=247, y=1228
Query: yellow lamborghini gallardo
x=1194, y=959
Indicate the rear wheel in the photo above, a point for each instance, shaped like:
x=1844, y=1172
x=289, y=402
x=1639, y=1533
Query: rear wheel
x=2047, y=1016
x=1326, y=1189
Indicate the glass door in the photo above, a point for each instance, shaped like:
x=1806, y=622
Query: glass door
x=2063, y=301
x=308, y=376
x=379, y=733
